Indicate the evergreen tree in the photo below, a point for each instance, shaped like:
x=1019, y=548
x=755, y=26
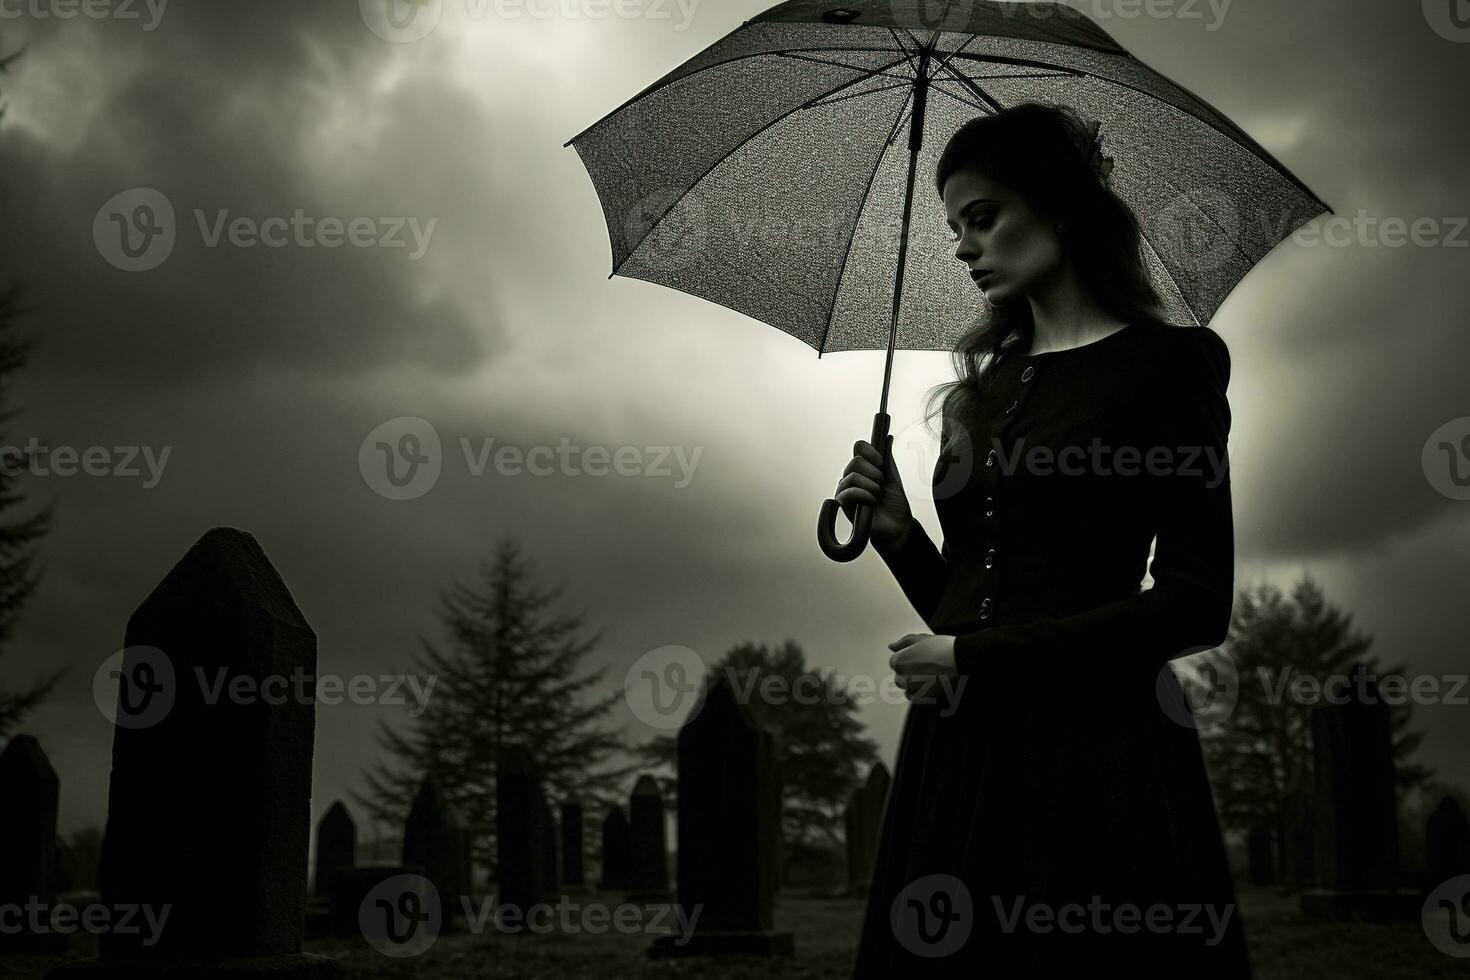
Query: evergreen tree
x=1263, y=750
x=508, y=671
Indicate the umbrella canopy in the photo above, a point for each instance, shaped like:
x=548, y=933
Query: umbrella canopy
x=768, y=173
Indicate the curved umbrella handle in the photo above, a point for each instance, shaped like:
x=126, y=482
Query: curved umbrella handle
x=862, y=522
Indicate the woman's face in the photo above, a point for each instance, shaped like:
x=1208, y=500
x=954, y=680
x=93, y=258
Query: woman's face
x=999, y=233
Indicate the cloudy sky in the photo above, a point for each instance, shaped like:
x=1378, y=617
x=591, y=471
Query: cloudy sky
x=262, y=371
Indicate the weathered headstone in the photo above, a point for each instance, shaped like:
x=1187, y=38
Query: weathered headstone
x=1357, y=819
x=520, y=852
x=614, y=851
x=1446, y=843
x=863, y=819
x=209, y=806
x=648, y=853
x=434, y=836
x=30, y=859
x=729, y=821
x=336, y=845
x=1298, y=842
x=1260, y=859
x=572, y=872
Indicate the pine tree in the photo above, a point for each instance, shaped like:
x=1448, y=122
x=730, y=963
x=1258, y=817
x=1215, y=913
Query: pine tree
x=18, y=573
x=507, y=672
x=1263, y=750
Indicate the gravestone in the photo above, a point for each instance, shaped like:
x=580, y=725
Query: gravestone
x=336, y=845
x=572, y=872
x=729, y=821
x=209, y=804
x=1298, y=844
x=546, y=841
x=519, y=822
x=1260, y=860
x=648, y=853
x=1357, y=817
x=435, y=838
x=614, y=851
x=1446, y=843
x=30, y=858
x=863, y=819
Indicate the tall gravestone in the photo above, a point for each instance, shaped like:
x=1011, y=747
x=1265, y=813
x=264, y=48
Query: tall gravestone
x=1356, y=810
x=648, y=853
x=520, y=854
x=1259, y=857
x=209, y=805
x=1446, y=843
x=1298, y=841
x=614, y=851
x=336, y=846
x=572, y=872
x=862, y=820
x=728, y=825
x=436, y=838
x=30, y=860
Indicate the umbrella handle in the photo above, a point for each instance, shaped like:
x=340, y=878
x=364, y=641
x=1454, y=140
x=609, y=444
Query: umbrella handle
x=862, y=521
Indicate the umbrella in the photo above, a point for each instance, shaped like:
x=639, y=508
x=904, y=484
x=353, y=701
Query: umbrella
x=769, y=173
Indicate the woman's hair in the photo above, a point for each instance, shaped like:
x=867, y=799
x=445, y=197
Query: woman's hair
x=1041, y=152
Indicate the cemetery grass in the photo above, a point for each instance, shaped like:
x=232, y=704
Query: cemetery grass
x=1283, y=945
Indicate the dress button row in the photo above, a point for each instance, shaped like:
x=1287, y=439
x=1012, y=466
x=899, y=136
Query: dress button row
x=990, y=458
x=990, y=558
x=989, y=506
x=985, y=608
x=1027, y=374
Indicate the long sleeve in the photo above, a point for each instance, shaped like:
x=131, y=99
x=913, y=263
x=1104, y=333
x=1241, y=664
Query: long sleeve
x=1188, y=607
x=920, y=568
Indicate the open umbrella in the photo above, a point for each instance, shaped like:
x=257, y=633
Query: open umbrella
x=767, y=173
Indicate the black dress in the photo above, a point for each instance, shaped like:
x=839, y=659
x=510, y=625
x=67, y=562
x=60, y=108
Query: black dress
x=1055, y=815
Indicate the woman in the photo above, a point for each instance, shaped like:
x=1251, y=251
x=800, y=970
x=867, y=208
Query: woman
x=1050, y=810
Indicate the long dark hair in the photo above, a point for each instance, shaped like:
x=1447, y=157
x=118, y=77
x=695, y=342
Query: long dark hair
x=1041, y=152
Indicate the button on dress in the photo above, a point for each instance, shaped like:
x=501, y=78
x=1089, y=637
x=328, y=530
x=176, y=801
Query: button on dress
x=1053, y=816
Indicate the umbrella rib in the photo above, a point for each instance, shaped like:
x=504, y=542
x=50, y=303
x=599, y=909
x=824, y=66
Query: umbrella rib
x=856, y=95
x=846, y=255
x=939, y=87
x=836, y=64
x=975, y=90
x=695, y=183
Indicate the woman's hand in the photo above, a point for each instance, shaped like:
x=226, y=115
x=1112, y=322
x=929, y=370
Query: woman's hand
x=864, y=483
x=921, y=662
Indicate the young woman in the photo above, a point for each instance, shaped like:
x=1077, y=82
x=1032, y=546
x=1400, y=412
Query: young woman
x=1050, y=810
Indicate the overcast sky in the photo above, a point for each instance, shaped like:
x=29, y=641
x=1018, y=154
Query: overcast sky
x=262, y=370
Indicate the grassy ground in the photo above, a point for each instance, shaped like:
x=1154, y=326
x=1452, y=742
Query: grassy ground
x=1283, y=945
